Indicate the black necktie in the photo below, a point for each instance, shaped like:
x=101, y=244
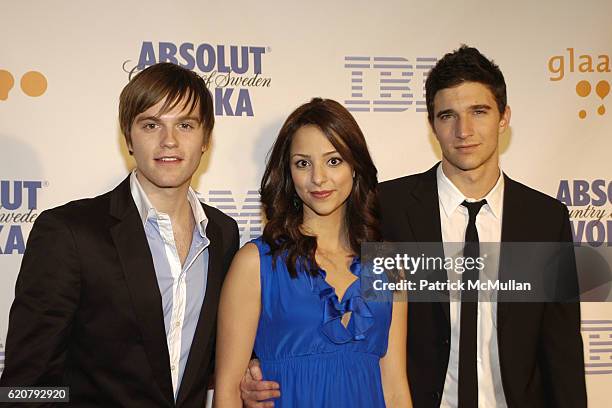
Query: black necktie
x=468, y=374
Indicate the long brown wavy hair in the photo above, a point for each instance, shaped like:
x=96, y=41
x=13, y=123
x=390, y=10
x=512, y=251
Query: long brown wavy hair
x=283, y=209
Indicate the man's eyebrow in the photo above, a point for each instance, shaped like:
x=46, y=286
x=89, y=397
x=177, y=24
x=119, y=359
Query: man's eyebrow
x=189, y=117
x=154, y=118
x=147, y=118
x=482, y=106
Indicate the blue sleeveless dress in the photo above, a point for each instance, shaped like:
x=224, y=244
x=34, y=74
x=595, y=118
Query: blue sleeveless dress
x=302, y=344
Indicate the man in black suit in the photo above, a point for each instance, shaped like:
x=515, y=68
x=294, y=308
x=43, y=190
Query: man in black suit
x=117, y=295
x=483, y=354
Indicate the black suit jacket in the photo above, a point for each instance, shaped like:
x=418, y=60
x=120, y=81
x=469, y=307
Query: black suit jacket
x=540, y=346
x=88, y=312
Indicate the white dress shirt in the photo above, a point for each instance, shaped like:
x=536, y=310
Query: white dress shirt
x=182, y=287
x=454, y=220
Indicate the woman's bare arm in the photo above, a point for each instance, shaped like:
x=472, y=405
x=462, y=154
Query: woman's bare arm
x=393, y=364
x=239, y=310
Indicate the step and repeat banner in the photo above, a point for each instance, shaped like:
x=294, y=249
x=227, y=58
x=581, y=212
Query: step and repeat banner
x=63, y=64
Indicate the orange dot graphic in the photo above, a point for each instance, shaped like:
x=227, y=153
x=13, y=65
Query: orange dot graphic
x=33, y=83
x=602, y=88
x=583, y=88
x=582, y=114
x=601, y=110
x=6, y=84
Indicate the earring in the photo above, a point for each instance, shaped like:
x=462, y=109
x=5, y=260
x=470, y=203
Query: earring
x=353, y=173
x=295, y=200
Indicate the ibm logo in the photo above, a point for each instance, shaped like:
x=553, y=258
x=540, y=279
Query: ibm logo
x=598, y=346
x=248, y=214
x=399, y=84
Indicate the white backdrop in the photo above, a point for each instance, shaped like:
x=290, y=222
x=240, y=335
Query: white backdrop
x=63, y=64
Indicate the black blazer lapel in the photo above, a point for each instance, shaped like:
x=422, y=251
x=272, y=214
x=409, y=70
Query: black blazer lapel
x=423, y=212
x=513, y=230
x=423, y=208
x=208, y=314
x=137, y=264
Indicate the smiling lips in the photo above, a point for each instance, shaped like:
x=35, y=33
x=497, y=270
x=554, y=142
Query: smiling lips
x=321, y=194
x=168, y=159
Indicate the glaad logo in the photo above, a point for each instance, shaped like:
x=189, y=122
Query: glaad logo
x=585, y=64
x=387, y=83
x=32, y=83
x=248, y=214
x=18, y=204
x=583, y=89
x=230, y=72
x=598, y=354
x=590, y=212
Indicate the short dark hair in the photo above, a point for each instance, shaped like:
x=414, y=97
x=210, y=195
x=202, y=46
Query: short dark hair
x=465, y=64
x=279, y=198
x=165, y=80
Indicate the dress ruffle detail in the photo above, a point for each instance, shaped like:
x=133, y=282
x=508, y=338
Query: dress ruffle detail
x=362, y=318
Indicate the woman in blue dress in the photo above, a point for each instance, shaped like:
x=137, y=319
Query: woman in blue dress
x=295, y=295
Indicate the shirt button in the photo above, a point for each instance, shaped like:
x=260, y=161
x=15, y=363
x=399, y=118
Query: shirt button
x=173, y=367
x=177, y=324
